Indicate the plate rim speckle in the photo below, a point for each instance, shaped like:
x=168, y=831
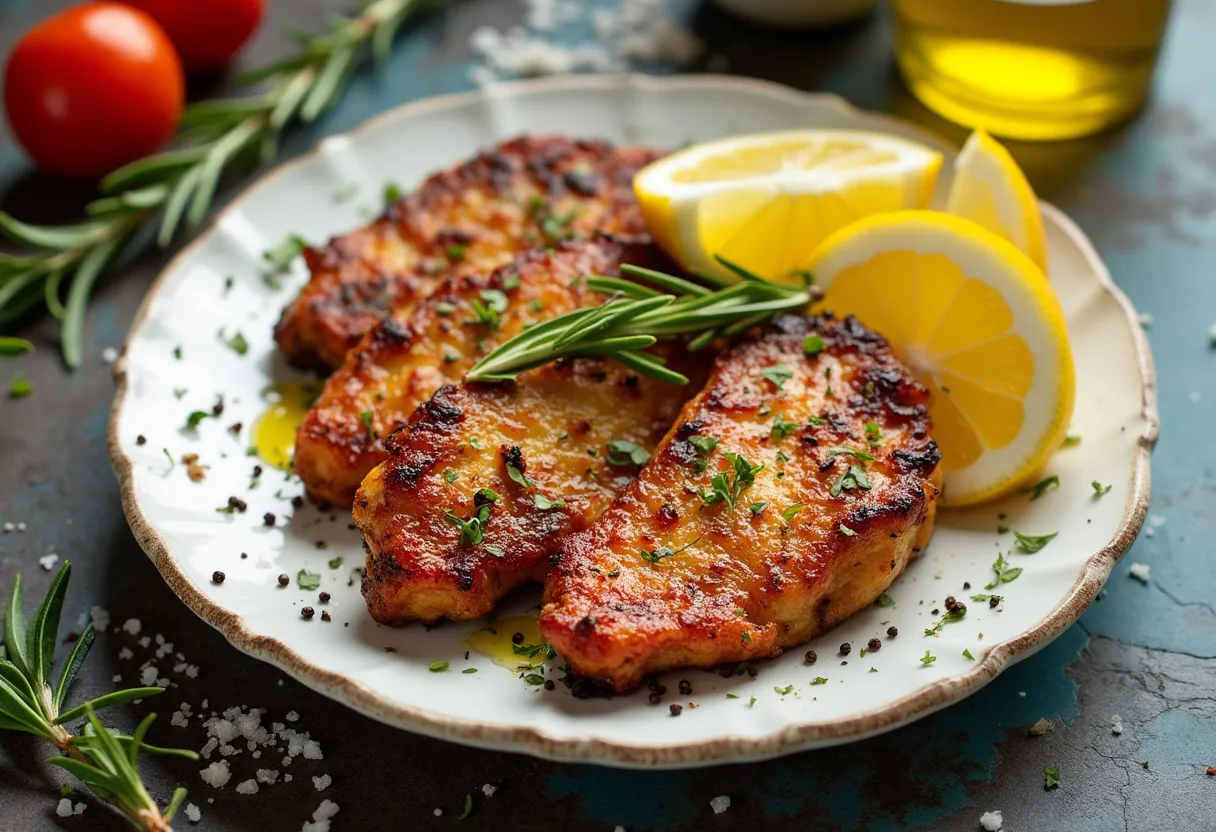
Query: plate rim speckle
x=533, y=739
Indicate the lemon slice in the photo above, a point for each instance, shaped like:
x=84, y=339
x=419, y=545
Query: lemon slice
x=766, y=201
x=989, y=188
x=977, y=324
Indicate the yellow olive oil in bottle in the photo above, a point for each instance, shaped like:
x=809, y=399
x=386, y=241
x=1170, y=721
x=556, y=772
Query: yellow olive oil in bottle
x=1030, y=69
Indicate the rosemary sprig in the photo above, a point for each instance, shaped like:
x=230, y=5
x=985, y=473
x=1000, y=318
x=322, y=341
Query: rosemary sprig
x=32, y=702
x=636, y=319
x=179, y=185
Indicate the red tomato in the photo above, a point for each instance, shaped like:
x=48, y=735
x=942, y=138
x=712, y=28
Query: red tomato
x=93, y=88
x=207, y=33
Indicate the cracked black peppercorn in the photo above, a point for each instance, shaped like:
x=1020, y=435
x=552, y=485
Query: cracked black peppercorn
x=654, y=698
x=284, y=580
x=141, y=440
x=993, y=601
x=324, y=596
x=845, y=649
x=685, y=687
x=549, y=684
x=676, y=710
x=325, y=616
x=892, y=632
x=810, y=657
x=874, y=645
x=308, y=612
x=217, y=577
x=966, y=584
x=268, y=519
x=517, y=638
x=237, y=504
x=297, y=501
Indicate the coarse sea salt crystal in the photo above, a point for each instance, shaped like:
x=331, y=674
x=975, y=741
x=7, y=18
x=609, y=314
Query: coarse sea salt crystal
x=48, y=562
x=147, y=676
x=1116, y=724
x=247, y=787
x=193, y=813
x=488, y=790
x=64, y=808
x=1139, y=571
x=720, y=804
x=992, y=821
x=100, y=619
x=321, y=817
x=217, y=774
x=125, y=653
x=323, y=782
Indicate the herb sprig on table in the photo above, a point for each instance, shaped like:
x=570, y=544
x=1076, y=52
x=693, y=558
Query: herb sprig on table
x=32, y=700
x=178, y=186
x=637, y=318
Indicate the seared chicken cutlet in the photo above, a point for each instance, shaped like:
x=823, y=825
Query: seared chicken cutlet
x=472, y=218
x=488, y=479
x=423, y=346
x=791, y=492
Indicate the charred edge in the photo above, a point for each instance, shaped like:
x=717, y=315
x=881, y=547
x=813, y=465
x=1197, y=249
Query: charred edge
x=921, y=461
x=905, y=502
x=390, y=334
x=513, y=457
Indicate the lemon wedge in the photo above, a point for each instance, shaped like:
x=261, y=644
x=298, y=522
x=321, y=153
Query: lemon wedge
x=766, y=201
x=977, y=323
x=989, y=188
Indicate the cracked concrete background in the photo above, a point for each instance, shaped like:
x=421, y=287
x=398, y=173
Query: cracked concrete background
x=1145, y=191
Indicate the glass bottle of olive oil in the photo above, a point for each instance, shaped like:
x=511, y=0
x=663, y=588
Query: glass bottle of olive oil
x=1030, y=69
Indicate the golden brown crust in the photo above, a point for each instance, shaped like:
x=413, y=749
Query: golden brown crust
x=753, y=582
x=552, y=426
x=475, y=217
x=425, y=345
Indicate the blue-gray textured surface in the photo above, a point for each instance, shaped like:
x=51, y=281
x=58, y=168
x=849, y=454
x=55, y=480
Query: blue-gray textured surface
x=1145, y=192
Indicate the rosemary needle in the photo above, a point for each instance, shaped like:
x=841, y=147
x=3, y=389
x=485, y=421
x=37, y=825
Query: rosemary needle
x=636, y=318
x=179, y=185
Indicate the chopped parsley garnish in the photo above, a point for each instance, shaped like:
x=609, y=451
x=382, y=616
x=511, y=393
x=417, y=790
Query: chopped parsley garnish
x=472, y=531
x=437, y=667
x=1051, y=776
x=1100, y=489
x=335, y=563
x=813, y=345
x=792, y=511
x=852, y=478
x=850, y=452
x=557, y=228
x=704, y=446
x=236, y=343
x=468, y=807
x=726, y=487
x=752, y=701
x=1070, y=440
x=195, y=417
x=450, y=475
x=782, y=428
x=534, y=679
x=980, y=597
x=486, y=311
x=863, y=652
x=623, y=453
x=544, y=503
x=782, y=456
x=229, y=282
x=1042, y=487
x=469, y=670
x=873, y=669
x=885, y=600
x=967, y=655
x=1004, y=572
x=934, y=630
x=653, y=556
x=308, y=580
x=819, y=680
x=846, y=531
x=20, y=387
x=475, y=443
x=366, y=419
x=279, y=258
x=732, y=696
x=510, y=282
x=816, y=421
x=873, y=434
x=778, y=374
x=756, y=508
x=747, y=637
x=1030, y=543
x=444, y=308
x=785, y=691
x=535, y=305
x=392, y=192
x=927, y=659
x=456, y=252
x=518, y=476
x=177, y=352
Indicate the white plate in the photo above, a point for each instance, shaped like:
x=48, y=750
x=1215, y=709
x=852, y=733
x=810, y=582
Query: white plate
x=177, y=525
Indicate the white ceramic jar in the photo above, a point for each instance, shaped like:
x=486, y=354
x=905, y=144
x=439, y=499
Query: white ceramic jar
x=797, y=13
